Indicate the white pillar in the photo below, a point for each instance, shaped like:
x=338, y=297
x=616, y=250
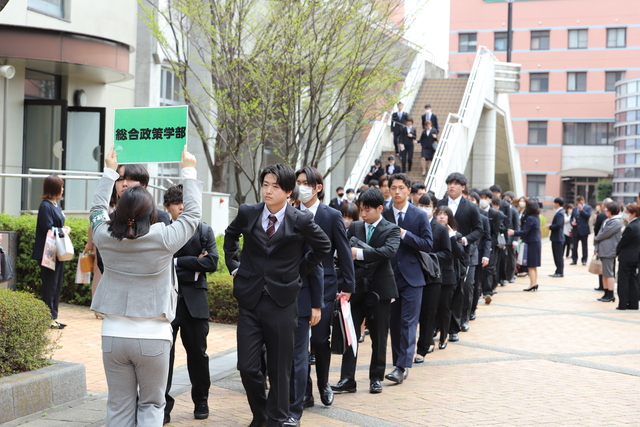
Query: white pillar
x=483, y=169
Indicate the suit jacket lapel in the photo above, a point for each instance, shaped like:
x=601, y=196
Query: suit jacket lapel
x=382, y=225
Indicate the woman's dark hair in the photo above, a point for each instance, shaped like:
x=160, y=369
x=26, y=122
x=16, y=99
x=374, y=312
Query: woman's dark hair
x=613, y=208
x=532, y=208
x=451, y=219
x=113, y=201
x=314, y=177
x=425, y=199
x=633, y=209
x=173, y=195
x=52, y=187
x=135, y=214
x=371, y=198
x=475, y=196
x=350, y=210
x=134, y=172
x=569, y=207
x=285, y=176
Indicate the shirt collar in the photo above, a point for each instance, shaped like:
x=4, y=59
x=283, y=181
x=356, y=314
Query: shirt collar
x=375, y=224
x=313, y=208
x=560, y=209
x=403, y=210
x=456, y=201
x=279, y=215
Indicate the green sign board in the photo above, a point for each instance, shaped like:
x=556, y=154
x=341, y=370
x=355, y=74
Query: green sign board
x=146, y=135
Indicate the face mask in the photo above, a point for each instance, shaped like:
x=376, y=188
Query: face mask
x=484, y=203
x=306, y=193
x=347, y=222
x=427, y=111
x=626, y=216
x=351, y=196
x=429, y=211
x=522, y=204
x=341, y=195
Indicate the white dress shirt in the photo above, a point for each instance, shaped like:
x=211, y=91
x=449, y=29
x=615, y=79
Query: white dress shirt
x=313, y=208
x=453, y=204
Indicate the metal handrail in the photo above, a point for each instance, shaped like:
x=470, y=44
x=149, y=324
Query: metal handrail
x=368, y=154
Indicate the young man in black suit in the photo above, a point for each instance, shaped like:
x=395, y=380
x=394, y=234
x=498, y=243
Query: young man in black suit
x=408, y=139
x=375, y=173
x=484, y=253
x=310, y=185
x=197, y=257
x=375, y=287
x=469, y=225
x=267, y=279
x=557, y=236
x=428, y=115
x=415, y=235
x=512, y=241
x=337, y=201
x=398, y=119
x=391, y=167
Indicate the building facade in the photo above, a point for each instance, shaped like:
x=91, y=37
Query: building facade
x=572, y=54
x=626, y=173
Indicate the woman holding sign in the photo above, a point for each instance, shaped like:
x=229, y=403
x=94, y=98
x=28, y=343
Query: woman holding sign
x=137, y=292
x=50, y=215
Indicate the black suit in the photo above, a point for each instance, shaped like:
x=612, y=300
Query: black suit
x=343, y=280
x=431, y=292
x=496, y=224
x=407, y=154
x=427, y=143
x=192, y=312
x=503, y=274
x=374, y=274
x=511, y=255
x=396, y=169
x=335, y=203
x=434, y=121
x=484, y=251
x=627, y=250
x=557, y=240
x=266, y=285
x=374, y=174
x=398, y=119
x=469, y=225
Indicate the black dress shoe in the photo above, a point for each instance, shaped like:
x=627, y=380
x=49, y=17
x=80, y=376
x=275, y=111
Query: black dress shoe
x=610, y=299
x=584, y=262
x=556, y=275
x=344, y=386
x=361, y=339
x=513, y=279
x=167, y=419
x=308, y=402
x=375, y=387
x=574, y=263
x=598, y=289
x=312, y=359
x=201, y=411
x=464, y=327
x=431, y=348
x=442, y=345
x=256, y=423
x=418, y=359
x=326, y=395
x=501, y=282
x=406, y=373
x=396, y=376
x=292, y=422
x=472, y=316
x=454, y=337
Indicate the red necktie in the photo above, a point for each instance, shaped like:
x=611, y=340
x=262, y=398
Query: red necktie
x=271, y=229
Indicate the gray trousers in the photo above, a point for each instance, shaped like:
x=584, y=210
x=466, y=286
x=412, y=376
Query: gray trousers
x=135, y=368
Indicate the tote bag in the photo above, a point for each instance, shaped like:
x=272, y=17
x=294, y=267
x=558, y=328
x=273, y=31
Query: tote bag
x=64, y=246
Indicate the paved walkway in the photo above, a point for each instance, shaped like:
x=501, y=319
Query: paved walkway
x=554, y=357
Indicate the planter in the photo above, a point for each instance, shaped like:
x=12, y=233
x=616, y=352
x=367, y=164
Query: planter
x=30, y=392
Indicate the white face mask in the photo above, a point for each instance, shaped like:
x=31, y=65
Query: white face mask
x=351, y=196
x=626, y=216
x=484, y=203
x=306, y=193
x=522, y=204
x=427, y=111
x=429, y=211
x=347, y=222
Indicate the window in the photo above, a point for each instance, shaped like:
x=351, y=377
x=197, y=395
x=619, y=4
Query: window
x=577, y=82
x=467, y=42
x=536, y=185
x=578, y=39
x=616, y=37
x=500, y=41
x=611, y=78
x=463, y=75
x=50, y=7
x=540, y=40
x=38, y=85
x=169, y=88
x=539, y=82
x=537, y=133
x=587, y=134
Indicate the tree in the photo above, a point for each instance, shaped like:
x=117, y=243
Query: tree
x=290, y=77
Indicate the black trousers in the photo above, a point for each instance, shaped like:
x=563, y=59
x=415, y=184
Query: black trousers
x=469, y=292
x=428, y=311
x=52, y=287
x=275, y=327
x=457, y=300
x=558, y=259
x=511, y=262
x=193, y=333
x=320, y=335
x=443, y=317
x=628, y=286
x=300, y=368
x=407, y=156
x=477, y=287
x=502, y=264
x=585, y=249
x=378, y=324
x=490, y=272
x=396, y=140
x=567, y=245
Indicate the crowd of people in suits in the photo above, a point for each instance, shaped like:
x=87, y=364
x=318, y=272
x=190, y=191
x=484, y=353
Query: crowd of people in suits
x=405, y=137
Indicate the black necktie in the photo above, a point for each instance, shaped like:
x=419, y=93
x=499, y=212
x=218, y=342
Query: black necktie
x=400, y=218
x=271, y=229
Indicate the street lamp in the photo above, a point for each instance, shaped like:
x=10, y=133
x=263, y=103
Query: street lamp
x=509, y=29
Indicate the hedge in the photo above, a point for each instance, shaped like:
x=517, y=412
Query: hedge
x=222, y=304
x=24, y=343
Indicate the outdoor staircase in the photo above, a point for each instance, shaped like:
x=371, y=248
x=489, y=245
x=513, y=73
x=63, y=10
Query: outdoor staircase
x=445, y=96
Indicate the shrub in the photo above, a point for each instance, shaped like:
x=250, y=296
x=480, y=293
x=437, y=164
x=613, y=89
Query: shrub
x=222, y=304
x=604, y=189
x=27, y=270
x=24, y=322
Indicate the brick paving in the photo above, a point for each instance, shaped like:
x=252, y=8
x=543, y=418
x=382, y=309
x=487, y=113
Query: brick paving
x=552, y=357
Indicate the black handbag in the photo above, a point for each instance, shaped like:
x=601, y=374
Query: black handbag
x=6, y=269
x=430, y=267
x=338, y=334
